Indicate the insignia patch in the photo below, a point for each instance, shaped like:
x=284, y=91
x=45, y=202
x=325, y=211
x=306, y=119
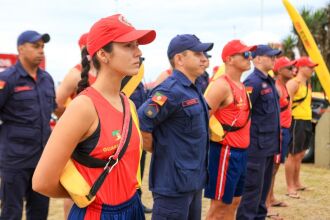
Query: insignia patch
x=249, y=89
x=264, y=85
x=2, y=84
x=22, y=88
x=190, y=102
x=266, y=91
x=159, y=98
x=151, y=110
x=116, y=133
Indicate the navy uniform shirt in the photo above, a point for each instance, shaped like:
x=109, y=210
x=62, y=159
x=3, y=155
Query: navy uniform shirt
x=139, y=96
x=25, y=109
x=203, y=80
x=177, y=116
x=265, y=119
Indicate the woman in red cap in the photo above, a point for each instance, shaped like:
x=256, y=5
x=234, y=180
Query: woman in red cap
x=98, y=125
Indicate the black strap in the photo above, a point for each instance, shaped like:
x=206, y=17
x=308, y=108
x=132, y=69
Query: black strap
x=286, y=106
x=92, y=162
x=298, y=101
x=99, y=181
x=232, y=128
x=87, y=160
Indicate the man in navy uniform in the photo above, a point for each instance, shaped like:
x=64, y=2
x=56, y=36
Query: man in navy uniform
x=174, y=124
x=27, y=99
x=264, y=135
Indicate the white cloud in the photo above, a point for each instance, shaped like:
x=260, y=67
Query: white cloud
x=215, y=21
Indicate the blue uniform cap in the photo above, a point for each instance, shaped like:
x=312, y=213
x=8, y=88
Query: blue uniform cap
x=263, y=50
x=32, y=37
x=184, y=42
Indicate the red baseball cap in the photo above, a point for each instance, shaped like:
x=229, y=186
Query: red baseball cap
x=83, y=40
x=115, y=28
x=283, y=62
x=235, y=47
x=306, y=61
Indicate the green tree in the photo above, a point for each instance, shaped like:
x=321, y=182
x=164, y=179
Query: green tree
x=318, y=22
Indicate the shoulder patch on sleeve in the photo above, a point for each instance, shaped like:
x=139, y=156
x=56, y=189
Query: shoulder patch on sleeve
x=151, y=110
x=159, y=98
x=249, y=89
x=2, y=84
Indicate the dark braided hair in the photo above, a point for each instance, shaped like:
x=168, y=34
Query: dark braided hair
x=85, y=63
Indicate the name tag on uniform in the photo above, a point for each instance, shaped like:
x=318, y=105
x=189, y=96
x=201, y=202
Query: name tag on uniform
x=190, y=102
x=266, y=91
x=22, y=88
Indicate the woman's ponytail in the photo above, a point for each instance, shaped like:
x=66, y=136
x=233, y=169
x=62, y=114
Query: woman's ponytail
x=85, y=63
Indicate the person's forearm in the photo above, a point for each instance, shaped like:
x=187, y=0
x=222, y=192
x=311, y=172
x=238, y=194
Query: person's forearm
x=49, y=190
x=147, y=141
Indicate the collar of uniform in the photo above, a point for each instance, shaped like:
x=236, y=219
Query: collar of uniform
x=181, y=77
x=23, y=72
x=260, y=74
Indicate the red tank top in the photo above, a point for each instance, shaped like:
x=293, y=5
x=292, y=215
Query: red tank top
x=285, y=105
x=121, y=183
x=237, y=110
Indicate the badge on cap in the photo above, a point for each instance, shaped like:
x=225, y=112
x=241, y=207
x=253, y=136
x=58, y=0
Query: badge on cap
x=2, y=84
x=123, y=20
x=159, y=98
x=151, y=110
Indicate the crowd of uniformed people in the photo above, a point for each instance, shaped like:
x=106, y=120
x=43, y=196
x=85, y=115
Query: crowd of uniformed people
x=219, y=136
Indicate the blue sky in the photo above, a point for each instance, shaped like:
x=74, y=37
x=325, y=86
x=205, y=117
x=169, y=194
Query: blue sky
x=218, y=21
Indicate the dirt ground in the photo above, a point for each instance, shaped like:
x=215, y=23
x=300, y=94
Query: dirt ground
x=313, y=204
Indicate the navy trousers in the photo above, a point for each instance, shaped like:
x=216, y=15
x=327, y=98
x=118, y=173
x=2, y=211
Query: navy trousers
x=185, y=207
x=257, y=185
x=15, y=186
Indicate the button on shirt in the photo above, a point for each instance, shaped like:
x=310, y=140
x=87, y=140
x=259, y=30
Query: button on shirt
x=265, y=123
x=179, y=126
x=25, y=109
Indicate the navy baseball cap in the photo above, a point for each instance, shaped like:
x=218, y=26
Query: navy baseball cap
x=184, y=42
x=32, y=37
x=266, y=50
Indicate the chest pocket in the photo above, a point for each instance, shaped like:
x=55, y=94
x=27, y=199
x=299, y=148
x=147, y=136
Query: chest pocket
x=24, y=100
x=194, y=120
x=268, y=102
x=49, y=94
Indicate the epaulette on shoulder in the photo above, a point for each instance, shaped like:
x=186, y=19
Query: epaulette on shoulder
x=169, y=83
x=9, y=74
x=9, y=71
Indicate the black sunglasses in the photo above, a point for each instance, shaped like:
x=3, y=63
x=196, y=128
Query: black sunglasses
x=246, y=54
x=289, y=68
